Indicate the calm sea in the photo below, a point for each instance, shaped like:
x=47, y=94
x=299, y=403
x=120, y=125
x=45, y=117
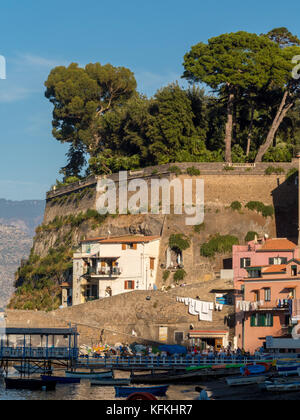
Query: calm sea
x=84, y=391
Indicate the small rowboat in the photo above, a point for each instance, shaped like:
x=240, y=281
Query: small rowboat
x=157, y=391
x=90, y=375
x=111, y=382
x=60, y=379
x=253, y=369
x=281, y=387
x=246, y=380
x=30, y=384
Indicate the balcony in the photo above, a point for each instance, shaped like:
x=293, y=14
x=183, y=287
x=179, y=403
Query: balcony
x=246, y=306
x=104, y=272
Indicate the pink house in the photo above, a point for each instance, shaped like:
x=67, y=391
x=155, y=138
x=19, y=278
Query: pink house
x=260, y=259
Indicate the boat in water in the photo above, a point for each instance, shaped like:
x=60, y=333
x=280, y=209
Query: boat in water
x=29, y=384
x=157, y=391
x=246, y=380
x=90, y=375
x=281, y=386
x=111, y=382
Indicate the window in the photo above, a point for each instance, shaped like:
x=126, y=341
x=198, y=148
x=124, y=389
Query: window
x=294, y=270
x=254, y=274
x=278, y=261
x=152, y=263
x=262, y=320
x=256, y=295
x=268, y=295
x=245, y=262
x=179, y=337
x=129, y=285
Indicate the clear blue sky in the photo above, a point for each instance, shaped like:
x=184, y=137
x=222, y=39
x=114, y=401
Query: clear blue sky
x=149, y=37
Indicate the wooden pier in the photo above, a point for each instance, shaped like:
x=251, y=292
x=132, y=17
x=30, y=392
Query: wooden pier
x=38, y=349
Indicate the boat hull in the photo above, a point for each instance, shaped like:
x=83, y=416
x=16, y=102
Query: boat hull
x=157, y=391
x=111, y=382
x=245, y=380
x=29, y=384
x=85, y=375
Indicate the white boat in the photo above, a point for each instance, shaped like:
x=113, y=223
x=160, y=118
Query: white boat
x=90, y=375
x=245, y=380
x=282, y=386
x=287, y=368
x=28, y=369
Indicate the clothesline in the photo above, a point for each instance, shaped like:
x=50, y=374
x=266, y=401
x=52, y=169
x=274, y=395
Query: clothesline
x=198, y=308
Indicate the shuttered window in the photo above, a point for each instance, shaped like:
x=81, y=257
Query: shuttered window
x=129, y=285
x=152, y=263
x=262, y=320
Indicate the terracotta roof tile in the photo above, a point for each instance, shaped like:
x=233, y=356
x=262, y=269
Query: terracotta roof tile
x=129, y=239
x=275, y=269
x=277, y=244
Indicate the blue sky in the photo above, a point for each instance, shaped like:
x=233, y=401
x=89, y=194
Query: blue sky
x=149, y=37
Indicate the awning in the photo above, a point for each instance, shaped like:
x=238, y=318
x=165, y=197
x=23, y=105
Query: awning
x=207, y=334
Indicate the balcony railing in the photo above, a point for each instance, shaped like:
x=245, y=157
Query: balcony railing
x=246, y=306
x=105, y=272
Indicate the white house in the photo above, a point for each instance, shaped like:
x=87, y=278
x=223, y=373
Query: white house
x=106, y=267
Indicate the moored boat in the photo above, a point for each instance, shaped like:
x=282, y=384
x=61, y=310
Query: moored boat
x=157, y=391
x=282, y=387
x=111, y=382
x=60, y=379
x=29, y=384
x=90, y=375
x=246, y=380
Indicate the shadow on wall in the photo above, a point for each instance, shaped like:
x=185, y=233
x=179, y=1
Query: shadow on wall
x=285, y=201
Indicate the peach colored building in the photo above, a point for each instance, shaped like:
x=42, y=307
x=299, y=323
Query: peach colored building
x=265, y=306
x=261, y=258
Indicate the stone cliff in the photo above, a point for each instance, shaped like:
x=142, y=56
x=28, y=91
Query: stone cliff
x=70, y=214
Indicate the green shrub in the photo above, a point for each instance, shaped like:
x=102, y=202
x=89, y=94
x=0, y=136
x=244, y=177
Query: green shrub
x=228, y=168
x=236, y=206
x=266, y=211
x=199, y=228
x=166, y=275
x=250, y=236
x=274, y=170
x=179, y=275
x=179, y=242
x=175, y=170
x=192, y=171
x=218, y=245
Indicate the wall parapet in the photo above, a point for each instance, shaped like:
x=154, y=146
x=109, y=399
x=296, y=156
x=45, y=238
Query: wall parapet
x=205, y=168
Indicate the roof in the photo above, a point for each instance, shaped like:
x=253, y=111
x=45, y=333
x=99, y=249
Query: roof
x=278, y=244
x=275, y=269
x=93, y=239
x=40, y=331
x=129, y=239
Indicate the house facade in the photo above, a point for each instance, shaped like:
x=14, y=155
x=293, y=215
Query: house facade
x=262, y=274
x=105, y=267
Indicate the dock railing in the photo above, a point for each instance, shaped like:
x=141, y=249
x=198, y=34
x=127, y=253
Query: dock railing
x=159, y=362
x=38, y=353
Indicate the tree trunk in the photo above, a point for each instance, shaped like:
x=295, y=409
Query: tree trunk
x=229, y=126
x=281, y=113
x=250, y=131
